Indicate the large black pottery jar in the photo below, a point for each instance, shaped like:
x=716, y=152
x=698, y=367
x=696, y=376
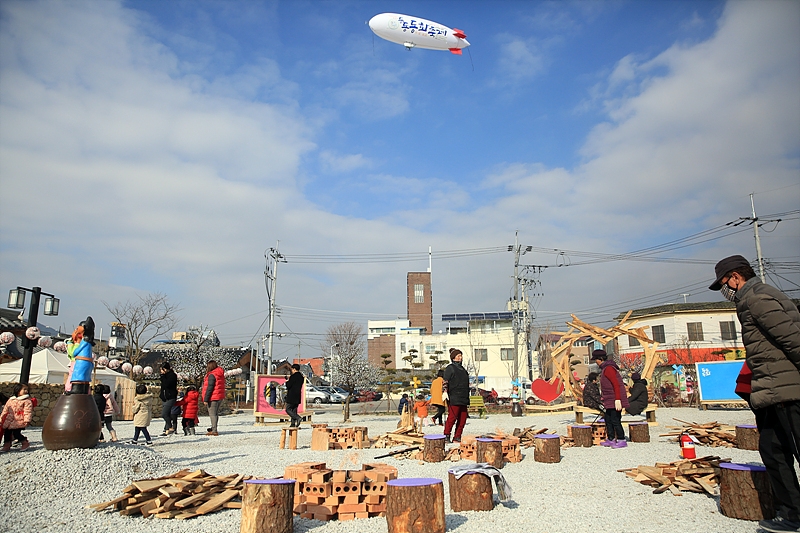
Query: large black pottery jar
x=74, y=422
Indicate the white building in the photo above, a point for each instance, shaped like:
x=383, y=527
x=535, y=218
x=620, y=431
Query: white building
x=687, y=333
x=485, y=339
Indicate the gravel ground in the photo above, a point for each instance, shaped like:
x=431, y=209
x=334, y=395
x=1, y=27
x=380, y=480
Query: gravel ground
x=49, y=491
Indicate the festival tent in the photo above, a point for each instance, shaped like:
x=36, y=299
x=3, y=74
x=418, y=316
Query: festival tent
x=50, y=366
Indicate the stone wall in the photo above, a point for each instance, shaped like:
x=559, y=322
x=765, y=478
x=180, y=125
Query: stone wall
x=47, y=396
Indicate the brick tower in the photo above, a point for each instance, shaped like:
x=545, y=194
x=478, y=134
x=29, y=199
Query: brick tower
x=420, y=304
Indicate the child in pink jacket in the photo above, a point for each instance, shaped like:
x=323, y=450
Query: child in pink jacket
x=16, y=416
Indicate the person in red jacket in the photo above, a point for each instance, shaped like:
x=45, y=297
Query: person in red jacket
x=615, y=399
x=190, y=404
x=213, y=393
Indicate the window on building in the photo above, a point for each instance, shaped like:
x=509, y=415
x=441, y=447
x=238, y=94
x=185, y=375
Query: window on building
x=481, y=354
x=506, y=354
x=658, y=334
x=419, y=293
x=728, y=330
x=695, y=331
x=402, y=347
x=633, y=341
x=430, y=348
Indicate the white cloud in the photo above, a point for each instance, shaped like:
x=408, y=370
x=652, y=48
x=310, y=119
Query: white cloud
x=140, y=175
x=338, y=164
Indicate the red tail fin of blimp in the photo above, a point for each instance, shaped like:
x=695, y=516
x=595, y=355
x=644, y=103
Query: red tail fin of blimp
x=456, y=51
x=460, y=34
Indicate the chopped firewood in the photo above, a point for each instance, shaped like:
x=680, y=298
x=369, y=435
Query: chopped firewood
x=693, y=475
x=400, y=437
x=181, y=495
x=708, y=434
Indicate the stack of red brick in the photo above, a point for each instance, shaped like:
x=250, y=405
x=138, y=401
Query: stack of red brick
x=326, y=494
x=324, y=438
x=511, y=448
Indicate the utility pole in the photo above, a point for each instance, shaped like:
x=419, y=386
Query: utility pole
x=272, y=275
x=755, y=221
x=758, y=241
x=518, y=251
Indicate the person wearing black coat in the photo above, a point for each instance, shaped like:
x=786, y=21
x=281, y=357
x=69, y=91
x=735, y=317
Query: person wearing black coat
x=456, y=392
x=294, y=395
x=638, y=396
x=168, y=395
x=591, y=393
x=100, y=401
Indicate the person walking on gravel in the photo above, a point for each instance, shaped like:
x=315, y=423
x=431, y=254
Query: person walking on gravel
x=213, y=394
x=771, y=336
x=168, y=395
x=455, y=391
x=294, y=395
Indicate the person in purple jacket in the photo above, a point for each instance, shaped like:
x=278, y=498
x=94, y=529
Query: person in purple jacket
x=614, y=399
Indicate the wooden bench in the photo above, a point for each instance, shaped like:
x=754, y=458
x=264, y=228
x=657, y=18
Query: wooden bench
x=649, y=413
x=476, y=405
x=279, y=419
x=550, y=409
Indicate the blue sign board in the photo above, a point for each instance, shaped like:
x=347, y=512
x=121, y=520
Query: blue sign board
x=717, y=380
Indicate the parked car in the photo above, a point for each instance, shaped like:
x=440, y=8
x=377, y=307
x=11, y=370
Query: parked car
x=368, y=396
x=337, y=394
x=316, y=395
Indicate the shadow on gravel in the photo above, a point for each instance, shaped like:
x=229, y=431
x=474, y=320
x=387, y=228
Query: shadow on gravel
x=454, y=521
x=207, y=456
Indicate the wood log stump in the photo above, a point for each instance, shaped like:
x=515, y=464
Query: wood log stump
x=582, y=435
x=490, y=451
x=267, y=506
x=415, y=505
x=547, y=449
x=361, y=433
x=744, y=492
x=470, y=492
x=640, y=431
x=433, y=452
x=747, y=437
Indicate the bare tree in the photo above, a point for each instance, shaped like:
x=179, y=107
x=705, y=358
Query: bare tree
x=200, y=347
x=349, y=365
x=151, y=316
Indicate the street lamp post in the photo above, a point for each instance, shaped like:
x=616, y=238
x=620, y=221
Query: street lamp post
x=16, y=300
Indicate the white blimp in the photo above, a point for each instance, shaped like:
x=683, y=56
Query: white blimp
x=416, y=32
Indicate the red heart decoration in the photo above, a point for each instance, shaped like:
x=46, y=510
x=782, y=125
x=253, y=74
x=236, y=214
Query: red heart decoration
x=546, y=391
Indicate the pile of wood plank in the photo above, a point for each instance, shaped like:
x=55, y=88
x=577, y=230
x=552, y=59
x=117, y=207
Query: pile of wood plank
x=687, y=475
x=325, y=494
x=404, y=436
x=526, y=436
x=709, y=434
x=184, y=494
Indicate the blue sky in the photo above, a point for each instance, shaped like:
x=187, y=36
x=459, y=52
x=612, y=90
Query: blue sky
x=164, y=146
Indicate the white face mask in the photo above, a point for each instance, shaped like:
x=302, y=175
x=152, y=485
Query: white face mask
x=727, y=292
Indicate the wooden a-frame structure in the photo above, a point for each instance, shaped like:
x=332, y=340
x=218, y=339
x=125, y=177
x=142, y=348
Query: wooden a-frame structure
x=561, y=352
